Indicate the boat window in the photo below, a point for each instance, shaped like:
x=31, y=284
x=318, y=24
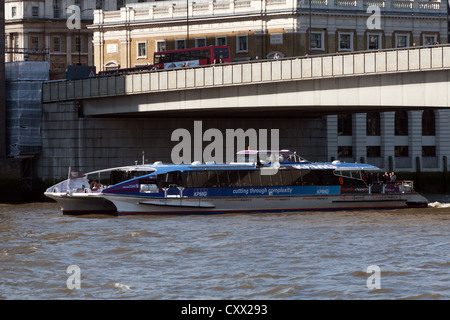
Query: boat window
x=234, y=178
x=312, y=178
x=190, y=180
x=212, y=179
x=349, y=173
x=170, y=179
x=224, y=181
x=255, y=177
x=245, y=178
x=266, y=180
x=118, y=176
x=304, y=172
x=328, y=178
x=202, y=178
x=286, y=175
x=276, y=179
x=297, y=177
x=251, y=178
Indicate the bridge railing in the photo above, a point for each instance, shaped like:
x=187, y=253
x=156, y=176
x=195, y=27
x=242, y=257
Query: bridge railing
x=289, y=69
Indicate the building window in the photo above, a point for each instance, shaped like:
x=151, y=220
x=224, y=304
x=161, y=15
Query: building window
x=373, y=151
x=401, y=151
x=112, y=65
x=345, y=41
x=428, y=123
x=13, y=11
x=56, y=9
x=401, y=123
x=429, y=39
x=78, y=44
x=345, y=125
x=221, y=41
x=241, y=43
x=78, y=3
x=35, y=11
x=180, y=44
x=120, y=4
x=142, y=49
x=345, y=152
x=57, y=44
x=402, y=40
x=428, y=151
x=34, y=42
x=200, y=42
x=99, y=4
x=373, y=124
x=373, y=41
x=317, y=42
x=161, y=45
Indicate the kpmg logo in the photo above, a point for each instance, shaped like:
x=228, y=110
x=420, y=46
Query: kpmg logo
x=214, y=151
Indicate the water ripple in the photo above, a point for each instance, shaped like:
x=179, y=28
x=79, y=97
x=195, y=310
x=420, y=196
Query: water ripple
x=315, y=255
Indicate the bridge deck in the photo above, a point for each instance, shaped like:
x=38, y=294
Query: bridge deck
x=266, y=71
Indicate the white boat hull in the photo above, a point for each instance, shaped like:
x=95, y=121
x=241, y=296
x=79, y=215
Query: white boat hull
x=127, y=205
x=79, y=203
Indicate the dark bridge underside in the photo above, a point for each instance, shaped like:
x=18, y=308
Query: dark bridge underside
x=256, y=112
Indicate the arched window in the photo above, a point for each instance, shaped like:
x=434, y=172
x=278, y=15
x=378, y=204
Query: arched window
x=112, y=65
x=401, y=123
x=428, y=123
x=373, y=124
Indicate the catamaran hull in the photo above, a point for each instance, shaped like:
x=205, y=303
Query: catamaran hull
x=83, y=203
x=128, y=205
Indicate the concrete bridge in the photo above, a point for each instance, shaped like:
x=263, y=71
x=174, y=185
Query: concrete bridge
x=111, y=121
x=415, y=77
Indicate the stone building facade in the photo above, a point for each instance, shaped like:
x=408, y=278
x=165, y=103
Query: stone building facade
x=38, y=30
x=261, y=28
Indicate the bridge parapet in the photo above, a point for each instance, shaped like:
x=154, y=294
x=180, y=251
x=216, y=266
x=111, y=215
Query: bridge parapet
x=254, y=72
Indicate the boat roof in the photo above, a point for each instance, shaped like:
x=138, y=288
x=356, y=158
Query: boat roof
x=163, y=168
x=160, y=167
x=249, y=151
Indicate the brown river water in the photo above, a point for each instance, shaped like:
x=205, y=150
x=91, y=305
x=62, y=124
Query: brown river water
x=286, y=256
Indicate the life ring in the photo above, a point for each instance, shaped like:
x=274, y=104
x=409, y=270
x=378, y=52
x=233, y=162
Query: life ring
x=94, y=185
x=341, y=180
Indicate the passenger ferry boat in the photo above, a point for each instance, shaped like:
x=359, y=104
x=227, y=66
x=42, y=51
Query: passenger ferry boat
x=261, y=181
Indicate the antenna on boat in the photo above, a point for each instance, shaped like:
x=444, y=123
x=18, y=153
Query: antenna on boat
x=143, y=157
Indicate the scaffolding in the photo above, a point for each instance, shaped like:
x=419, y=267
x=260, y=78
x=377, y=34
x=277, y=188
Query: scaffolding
x=24, y=106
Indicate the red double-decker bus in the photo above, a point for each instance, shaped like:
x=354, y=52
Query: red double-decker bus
x=192, y=57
